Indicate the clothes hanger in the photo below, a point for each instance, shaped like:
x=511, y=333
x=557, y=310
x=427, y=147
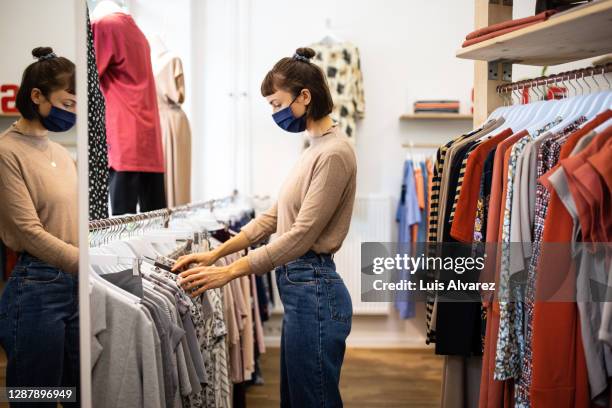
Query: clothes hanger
x=602, y=100
x=528, y=114
x=559, y=109
x=330, y=37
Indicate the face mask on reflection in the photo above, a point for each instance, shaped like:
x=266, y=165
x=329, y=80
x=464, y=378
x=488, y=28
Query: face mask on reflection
x=58, y=120
x=286, y=120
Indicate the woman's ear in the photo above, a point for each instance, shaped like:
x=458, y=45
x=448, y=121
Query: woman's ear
x=306, y=96
x=36, y=96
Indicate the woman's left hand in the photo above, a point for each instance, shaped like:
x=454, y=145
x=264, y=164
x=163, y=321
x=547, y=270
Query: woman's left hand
x=204, y=278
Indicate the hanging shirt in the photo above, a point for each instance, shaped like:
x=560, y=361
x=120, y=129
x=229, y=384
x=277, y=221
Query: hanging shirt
x=126, y=77
x=408, y=215
x=341, y=65
x=176, y=133
x=467, y=198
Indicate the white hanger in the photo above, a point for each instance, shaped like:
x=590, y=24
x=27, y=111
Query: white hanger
x=330, y=37
x=602, y=99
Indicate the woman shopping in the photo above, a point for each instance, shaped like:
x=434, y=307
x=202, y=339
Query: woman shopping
x=39, y=319
x=312, y=217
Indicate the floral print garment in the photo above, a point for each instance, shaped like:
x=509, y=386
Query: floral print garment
x=342, y=66
x=510, y=335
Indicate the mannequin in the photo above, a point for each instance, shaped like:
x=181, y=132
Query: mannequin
x=176, y=133
x=106, y=7
x=133, y=133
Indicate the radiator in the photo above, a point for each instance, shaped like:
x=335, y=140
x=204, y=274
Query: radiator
x=373, y=221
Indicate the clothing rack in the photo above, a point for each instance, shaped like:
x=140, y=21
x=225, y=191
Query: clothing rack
x=158, y=216
x=420, y=145
x=555, y=79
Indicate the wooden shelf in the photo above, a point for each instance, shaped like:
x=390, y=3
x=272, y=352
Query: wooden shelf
x=8, y=115
x=435, y=116
x=582, y=33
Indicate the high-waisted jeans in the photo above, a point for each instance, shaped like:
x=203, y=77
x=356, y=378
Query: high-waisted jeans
x=39, y=327
x=316, y=323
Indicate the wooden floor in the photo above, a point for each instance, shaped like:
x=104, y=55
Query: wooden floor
x=371, y=378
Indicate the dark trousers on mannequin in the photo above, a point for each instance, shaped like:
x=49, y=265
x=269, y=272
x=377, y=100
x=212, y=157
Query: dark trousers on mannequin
x=131, y=188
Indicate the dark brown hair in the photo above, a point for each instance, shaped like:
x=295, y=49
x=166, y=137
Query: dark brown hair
x=292, y=74
x=50, y=73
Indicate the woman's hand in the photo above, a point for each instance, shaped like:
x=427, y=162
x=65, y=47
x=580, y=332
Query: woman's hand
x=203, y=278
x=203, y=259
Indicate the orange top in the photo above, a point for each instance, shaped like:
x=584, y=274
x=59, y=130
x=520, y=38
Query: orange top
x=465, y=215
x=420, y=186
x=497, y=196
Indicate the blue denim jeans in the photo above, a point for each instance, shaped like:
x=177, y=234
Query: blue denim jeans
x=39, y=327
x=316, y=323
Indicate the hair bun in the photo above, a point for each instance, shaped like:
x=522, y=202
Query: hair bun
x=40, y=52
x=305, y=52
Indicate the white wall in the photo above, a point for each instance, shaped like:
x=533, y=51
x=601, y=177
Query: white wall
x=171, y=21
x=27, y=24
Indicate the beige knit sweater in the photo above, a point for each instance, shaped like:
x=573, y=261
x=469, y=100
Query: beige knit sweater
x=38, y=201
x=314, y=205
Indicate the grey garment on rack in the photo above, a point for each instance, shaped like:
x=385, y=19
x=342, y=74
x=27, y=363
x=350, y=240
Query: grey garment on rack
x=125, y=329
x=188, y=326
x=176, y=340
x=193, y=376
x=158, y=357
x=203, y=329
x=126, y=281
x=169, y=373
x=461, y=381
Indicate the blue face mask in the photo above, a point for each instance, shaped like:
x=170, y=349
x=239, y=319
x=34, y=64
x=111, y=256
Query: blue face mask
x=58, y=120
x=286, y=120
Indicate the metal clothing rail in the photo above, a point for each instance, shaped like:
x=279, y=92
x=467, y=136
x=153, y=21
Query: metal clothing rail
x=558, y=78
x=158, y=216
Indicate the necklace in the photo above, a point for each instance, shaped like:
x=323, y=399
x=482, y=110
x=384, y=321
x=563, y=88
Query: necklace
x=21, y=132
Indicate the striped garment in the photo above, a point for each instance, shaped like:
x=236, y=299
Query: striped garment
x=432, y=235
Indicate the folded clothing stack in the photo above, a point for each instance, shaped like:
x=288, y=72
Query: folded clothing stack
x=436, y=106
x=504, y=27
